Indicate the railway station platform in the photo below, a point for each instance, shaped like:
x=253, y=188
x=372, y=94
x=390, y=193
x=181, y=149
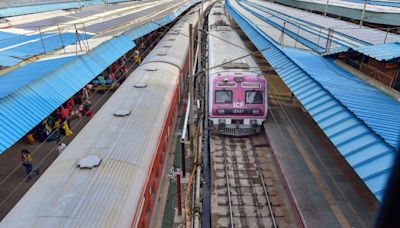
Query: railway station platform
x=360, y=120
x=323, y=187
x=110, y=34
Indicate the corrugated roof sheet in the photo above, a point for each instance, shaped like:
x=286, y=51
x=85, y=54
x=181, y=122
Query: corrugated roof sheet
x=345, y=33
x=381, y=52
x=375, y=108
x=333, y=101
x=22, y=76
x=30, y=104
x=374, y=14
x=29, y=46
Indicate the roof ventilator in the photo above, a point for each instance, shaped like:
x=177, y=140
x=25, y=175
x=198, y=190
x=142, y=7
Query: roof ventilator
x=89, y=162
x=123, y=112
x=140, y=85
x=221, y=25
x=236, y=65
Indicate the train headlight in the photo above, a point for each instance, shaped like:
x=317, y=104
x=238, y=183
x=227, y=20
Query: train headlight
x=256, y=111
x=221, y=111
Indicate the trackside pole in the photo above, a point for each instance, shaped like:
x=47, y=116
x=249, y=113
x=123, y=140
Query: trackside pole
x=191, y=87
x=178, y=190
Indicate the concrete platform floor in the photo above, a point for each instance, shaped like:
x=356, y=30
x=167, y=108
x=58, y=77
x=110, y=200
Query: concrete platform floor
x=325, y=191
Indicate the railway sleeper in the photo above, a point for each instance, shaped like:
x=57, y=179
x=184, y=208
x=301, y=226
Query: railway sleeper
x=233, y=161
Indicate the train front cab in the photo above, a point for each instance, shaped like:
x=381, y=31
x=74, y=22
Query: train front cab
x=238, y=103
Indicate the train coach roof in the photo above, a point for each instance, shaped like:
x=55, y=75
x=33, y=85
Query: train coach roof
x=68, y=196
x=173, y=47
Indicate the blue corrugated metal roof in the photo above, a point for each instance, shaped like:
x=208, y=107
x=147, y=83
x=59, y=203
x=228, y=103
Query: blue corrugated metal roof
x=370, y=156
x=10, y=39
x=22, y=76
x=381, y=52
x=28, y=46
x=349, y=34
x=27, y=106
x=375, y=108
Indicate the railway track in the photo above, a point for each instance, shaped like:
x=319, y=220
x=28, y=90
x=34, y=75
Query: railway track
x=244, y=190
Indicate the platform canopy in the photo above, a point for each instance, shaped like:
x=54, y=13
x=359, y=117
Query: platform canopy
x=30, y=92
x=360, y=120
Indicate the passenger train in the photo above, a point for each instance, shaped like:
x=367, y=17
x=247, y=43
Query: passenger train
x=130, y=135
x=237, y=90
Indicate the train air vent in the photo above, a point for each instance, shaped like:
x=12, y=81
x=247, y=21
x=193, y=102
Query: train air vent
x=89, y=162
x=221, y=25
x=162, y=54
x=141, y=85
x=122, y=112
x=223, y=28
x=151, y=69
x=218, y=13
x=167, y=46
x=172, y=39
x=236, y=65
x=220, y=22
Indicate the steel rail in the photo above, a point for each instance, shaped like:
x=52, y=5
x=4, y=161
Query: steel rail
x=266, y=194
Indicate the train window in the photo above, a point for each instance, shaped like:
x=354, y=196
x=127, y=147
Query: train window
x=158, y=172
x=223, y=96
x=254, y=97
x=148, y=212
x=151, y=191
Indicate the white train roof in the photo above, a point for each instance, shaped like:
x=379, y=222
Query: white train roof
x=174, y=46
x=106, y=196
x=225, y=44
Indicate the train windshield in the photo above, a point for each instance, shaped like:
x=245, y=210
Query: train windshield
x=254, y=97
x=223, y=96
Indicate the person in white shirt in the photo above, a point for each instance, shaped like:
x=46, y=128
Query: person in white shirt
x=60, y=146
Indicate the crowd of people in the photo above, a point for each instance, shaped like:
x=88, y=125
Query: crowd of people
x=58, y=122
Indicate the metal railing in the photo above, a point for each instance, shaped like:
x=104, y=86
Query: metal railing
x=69, y=38
x=376, y=74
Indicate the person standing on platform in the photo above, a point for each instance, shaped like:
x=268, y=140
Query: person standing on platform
x=136, y=57
x=26, y=158
x=60, y=146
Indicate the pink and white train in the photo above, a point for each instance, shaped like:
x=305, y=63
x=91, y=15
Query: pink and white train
x=238, y=97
